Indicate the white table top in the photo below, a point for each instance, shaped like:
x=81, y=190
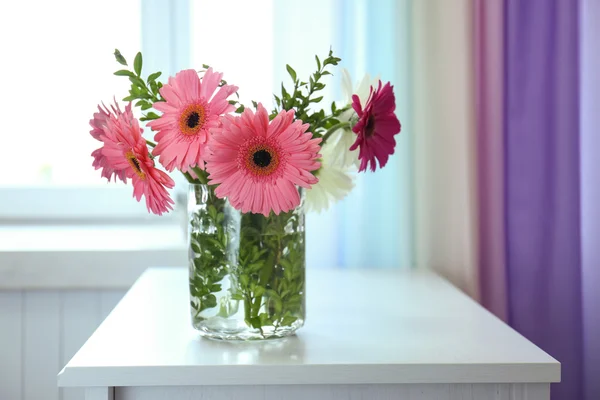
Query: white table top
x=363, y=326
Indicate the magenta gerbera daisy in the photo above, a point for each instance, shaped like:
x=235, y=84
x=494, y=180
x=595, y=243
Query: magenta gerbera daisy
x=377, y=124
x=126, y=151
x=258, y=164
x=189, y=111
x=98, y=124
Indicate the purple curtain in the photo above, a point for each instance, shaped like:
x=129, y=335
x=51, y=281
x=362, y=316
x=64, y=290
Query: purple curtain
x=590, y=192
x=542, y=181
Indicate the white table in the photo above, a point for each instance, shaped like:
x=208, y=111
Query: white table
x=370, y=334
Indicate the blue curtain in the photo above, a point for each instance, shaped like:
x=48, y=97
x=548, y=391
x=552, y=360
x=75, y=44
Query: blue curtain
x=375, y=221
x=373, y=226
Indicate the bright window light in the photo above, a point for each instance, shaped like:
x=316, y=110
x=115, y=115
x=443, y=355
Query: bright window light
x=55, y=69
x=239, y=44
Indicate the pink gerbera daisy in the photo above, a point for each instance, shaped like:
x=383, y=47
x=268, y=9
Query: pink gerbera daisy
x=189, y=112
x=377, y=124
x=98, y=124
x=258, y=163
x=126, y=151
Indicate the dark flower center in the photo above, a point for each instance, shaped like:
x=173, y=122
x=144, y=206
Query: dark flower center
x=193, y=119
x=135, y=164
x=262, y=158
x=370, y=128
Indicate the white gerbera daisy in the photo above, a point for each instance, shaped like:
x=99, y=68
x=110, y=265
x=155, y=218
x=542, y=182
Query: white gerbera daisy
x=342, y=139
x=334, y=184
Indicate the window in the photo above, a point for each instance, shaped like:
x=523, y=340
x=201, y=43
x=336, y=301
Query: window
x=53, y=79
x=57, y=72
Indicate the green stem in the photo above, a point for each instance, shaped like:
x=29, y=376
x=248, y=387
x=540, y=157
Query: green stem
x=247, y=311
x=189, y=178
x=337, y=114
x=150, y=143
x=334, y=128
x=202, y=175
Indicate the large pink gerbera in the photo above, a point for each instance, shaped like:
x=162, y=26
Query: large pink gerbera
x=98, y=124
x=125, y=150
x=377, y=124
x=258, y=163
x=189, y=112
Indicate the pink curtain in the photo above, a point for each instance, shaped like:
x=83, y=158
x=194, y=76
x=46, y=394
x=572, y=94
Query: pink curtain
x=489, y=73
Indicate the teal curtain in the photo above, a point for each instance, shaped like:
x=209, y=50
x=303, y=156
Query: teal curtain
x=375, y=222
x=373, y=226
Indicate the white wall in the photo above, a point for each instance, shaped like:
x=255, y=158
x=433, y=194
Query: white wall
x=40, y=330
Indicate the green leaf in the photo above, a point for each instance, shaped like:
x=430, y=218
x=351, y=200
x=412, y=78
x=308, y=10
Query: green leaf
x=216, y=243
x=240, y=109
x=237, y=296
x=278, y=304
x=244, y=279
x=195, y=248
x=259, y=291
x=288, y=320
x=285, y=263
x=316, y=99
x=137, y=81
x=318, y=62
x=288, y=274
x=255, y=322
x=146, y=106
x=152, y=115
x=124, y=72
x=137, y=64
x=255, y=104
x=264, y=319
x=119, y=57
x=291, y=71
x=284, y=94
x=210, y=301
x=212, y=211
x=152, y=77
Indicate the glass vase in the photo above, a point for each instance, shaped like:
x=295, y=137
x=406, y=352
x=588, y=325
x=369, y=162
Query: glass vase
x=247, y=271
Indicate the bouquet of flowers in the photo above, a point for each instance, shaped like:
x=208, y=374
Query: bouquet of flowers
x=250, y=170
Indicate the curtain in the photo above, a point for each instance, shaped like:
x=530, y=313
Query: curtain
x=373, y=226
x=375, y=220
x=489, y=73
x=590, y=193
x=543, y=257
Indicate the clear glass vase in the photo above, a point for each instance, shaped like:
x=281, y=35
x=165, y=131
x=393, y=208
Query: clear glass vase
x=247, y=271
